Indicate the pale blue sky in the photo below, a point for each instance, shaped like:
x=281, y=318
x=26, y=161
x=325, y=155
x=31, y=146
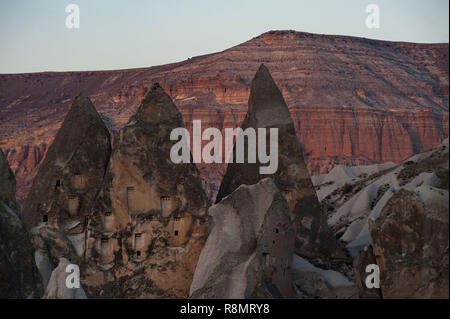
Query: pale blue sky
x=117, y=34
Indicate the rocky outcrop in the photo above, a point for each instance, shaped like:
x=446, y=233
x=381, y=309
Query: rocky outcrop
x=249, y=250
x=19, y=276
x=406, y=204
x=353, y=101
x=411, y=242
x=267, y=109
x=351, y=195
x=57, y=287
x=63, y=193
x=147, y=227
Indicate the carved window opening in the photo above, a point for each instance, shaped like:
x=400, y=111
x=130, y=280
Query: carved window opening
x=175, y=232
x=166, y=205
x=78, y=181
x=137, y=241
x=73, y=204
x=108, y=221
x=57, y=185
x=45, y=218
x=104, y=246
x=138, y=253
x=287, y=194
x=277, y=230
x=106, y=250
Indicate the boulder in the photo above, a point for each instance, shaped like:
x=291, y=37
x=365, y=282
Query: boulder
x=411, y=240
x=248, y=253
x=267, y=109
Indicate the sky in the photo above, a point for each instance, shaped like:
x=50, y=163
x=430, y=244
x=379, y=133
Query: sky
x=120, y=34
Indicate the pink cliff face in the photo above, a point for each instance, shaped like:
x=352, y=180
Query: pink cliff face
x=352, y=100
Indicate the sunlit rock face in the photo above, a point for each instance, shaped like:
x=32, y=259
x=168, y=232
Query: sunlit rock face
x=267, y=109
x=249, y=250
x=19, y=276
x=353, y=101
x=147, y=227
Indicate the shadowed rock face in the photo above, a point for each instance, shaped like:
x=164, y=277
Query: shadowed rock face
x=248, y=253
x=267, y=109
x=72, y=173
x=147, y=227
x=411, y=240
x=66, y=186
x=19, y=276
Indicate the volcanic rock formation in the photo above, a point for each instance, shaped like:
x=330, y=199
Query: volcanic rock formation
x=72, y=173
x=353, y=101
x=411, y=240
x=350, y=196
x=19, y=276
x=248, y=253
x=406, y=205
x=267, y=109
x=64, y=190
x=147, y=227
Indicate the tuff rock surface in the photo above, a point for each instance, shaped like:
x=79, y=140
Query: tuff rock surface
x=267, y=109
x=19, y=276
x=351, y=195
x=395, y=216
x=63, y=193
x=411, y=242
x=249, y=250
x=147, y=227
